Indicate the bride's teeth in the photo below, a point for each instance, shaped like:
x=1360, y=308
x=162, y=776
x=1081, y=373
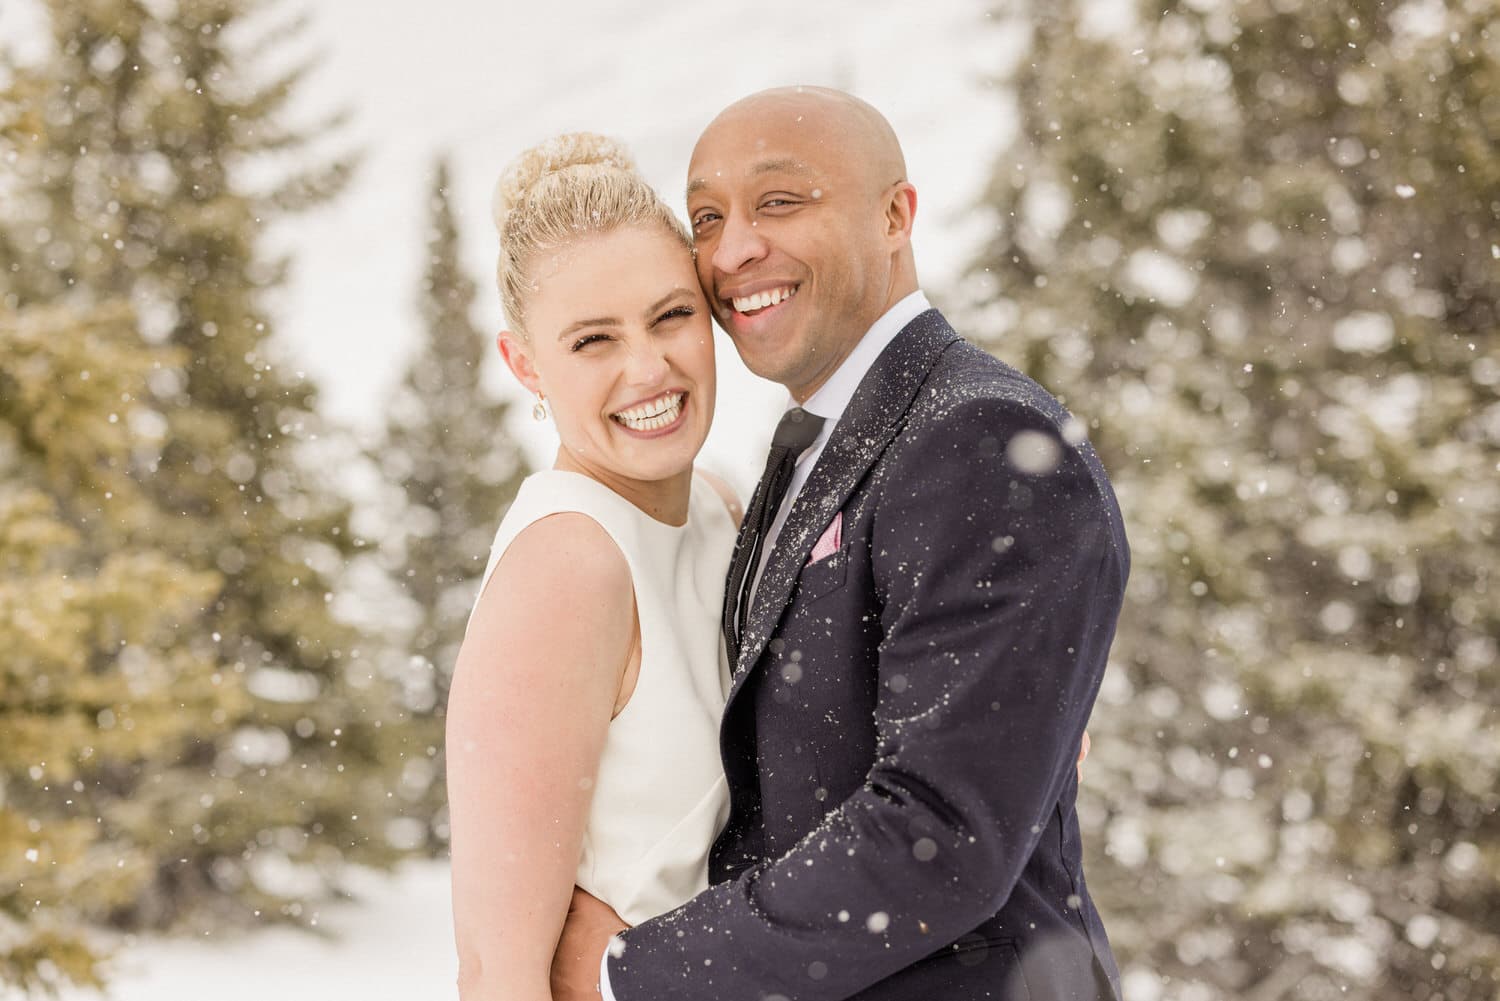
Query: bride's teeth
x=657, y=414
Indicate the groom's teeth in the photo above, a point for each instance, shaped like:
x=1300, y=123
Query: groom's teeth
x=760, y=300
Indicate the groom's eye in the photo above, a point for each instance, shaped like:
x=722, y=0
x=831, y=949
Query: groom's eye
x=703, y=219
x=780, y=200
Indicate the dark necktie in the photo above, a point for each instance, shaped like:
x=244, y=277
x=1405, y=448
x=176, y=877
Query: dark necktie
x=797, y=430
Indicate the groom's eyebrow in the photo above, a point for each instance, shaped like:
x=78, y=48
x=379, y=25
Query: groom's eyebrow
x=783, y=165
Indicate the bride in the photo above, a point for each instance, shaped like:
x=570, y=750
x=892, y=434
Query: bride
x=582, y=728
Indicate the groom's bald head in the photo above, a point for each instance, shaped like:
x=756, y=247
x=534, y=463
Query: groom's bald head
x=829, y=119
x=800, y=193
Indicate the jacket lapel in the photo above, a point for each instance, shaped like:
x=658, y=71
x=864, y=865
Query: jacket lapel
x=866, y=428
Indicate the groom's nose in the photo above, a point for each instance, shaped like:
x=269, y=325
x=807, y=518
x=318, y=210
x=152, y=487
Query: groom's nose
x=740, y=243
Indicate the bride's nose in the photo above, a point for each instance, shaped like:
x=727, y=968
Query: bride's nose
x=646, y=363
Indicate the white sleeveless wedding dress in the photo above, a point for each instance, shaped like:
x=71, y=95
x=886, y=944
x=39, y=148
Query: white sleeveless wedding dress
x=660, y=797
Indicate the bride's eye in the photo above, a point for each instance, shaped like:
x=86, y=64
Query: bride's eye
x=675, y=313
x=588, y=339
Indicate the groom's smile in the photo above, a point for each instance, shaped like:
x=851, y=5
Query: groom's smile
x=756, y=311
x=755, y=303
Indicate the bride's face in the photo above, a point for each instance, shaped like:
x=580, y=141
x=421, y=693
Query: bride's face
x=622, y=348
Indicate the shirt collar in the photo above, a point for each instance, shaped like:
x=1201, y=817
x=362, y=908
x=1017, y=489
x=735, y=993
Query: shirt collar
x=832, y=398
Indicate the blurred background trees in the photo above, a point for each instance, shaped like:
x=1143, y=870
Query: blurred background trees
x=455, y=469
x=1254, y=245
x=190, y=734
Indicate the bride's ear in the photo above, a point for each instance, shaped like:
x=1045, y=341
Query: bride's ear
x=518, y=359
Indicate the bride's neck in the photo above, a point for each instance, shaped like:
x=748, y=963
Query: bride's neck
x=664, y=500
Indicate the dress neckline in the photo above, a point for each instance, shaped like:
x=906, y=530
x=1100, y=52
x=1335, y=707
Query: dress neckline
x=692, y=493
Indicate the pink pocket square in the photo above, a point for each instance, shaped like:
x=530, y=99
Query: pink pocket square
x=830, y=541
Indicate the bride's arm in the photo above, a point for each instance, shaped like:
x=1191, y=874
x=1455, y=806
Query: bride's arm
x=532, y=695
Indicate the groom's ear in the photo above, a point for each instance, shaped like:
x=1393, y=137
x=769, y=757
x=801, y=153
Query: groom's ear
x=518, y=359
x=901, y=210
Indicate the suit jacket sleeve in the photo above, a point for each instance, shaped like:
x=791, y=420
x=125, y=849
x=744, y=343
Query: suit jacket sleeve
x=1000, y=567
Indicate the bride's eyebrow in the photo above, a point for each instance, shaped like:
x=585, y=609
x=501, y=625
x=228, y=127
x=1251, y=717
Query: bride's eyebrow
x=614, y=321
x=602, y=321
x=660, y=303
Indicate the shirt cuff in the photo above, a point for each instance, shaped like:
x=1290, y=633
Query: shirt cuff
x=604, y=990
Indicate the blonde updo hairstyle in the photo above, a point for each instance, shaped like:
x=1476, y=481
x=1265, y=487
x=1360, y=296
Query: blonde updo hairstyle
x=571, y=186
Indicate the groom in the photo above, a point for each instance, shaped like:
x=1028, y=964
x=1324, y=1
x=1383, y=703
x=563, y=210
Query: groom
x=922, y=600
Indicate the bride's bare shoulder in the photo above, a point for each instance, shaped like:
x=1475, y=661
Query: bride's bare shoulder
x=568, y=541
x=725, y=492
x=556, y=570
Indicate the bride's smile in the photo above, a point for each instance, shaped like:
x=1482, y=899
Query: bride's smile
x=660, y=415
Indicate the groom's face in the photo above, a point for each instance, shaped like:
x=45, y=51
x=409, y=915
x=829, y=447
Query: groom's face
x=790, y=237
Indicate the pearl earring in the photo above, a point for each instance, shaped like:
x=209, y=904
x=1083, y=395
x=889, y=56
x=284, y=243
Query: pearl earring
x=539, y=409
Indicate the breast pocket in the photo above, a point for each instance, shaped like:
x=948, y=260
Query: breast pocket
x=823, y=577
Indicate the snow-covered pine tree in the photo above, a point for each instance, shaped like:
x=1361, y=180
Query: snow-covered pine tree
x=447, y=448
x=1254, y=245
x=189, y=734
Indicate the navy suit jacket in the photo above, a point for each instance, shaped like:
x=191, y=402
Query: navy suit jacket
x=901, y=733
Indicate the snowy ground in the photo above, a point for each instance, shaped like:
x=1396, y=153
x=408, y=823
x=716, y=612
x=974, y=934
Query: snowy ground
x=393, y=943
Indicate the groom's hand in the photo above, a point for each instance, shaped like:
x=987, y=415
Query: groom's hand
x=1083, y=752
x=575, y=966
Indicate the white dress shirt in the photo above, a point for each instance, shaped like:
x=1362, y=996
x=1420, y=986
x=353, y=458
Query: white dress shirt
x=829, y=402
